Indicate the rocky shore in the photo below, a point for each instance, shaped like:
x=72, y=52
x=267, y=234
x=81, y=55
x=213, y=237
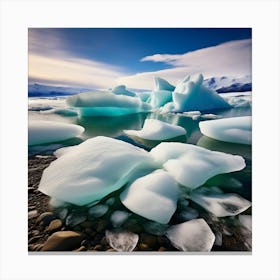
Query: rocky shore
x=73, y=229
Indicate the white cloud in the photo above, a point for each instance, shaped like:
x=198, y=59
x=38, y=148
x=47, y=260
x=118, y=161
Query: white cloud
x=227, y=59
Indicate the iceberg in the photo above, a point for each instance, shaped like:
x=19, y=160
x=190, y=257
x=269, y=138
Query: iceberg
x=153, y=196
x=162, y=84
x=221, y=205
x=191, y=236
x=160, y=98
x=123, y=91
x=90, y=171
x=41, y=132
x=106, y=104
x=67, y=112
x=235, y=130
x=157, y=130
x=191, y=166
x=190, y=95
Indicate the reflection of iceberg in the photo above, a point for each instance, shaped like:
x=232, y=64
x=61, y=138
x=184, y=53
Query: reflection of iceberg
x=106, y=104
x=234, y=130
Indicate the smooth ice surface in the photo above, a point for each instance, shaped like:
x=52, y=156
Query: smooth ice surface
x=40, y=132
x=98, y=210
x=92, y=170
x=190, y=95
x=162, y=84
x=67, y=112
x=234, y=130
x=191, y=236
x=119, y=217
x=122, y=241
x=191, y=165
x=221, y=205
x=246, y=221
x=153, y=196
x=106, y=104
x=160, y=97
x=157, y=130
x=122, y=90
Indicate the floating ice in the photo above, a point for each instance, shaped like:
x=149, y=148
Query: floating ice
x=221, y=205
x=162, y=84
x=40, y=132
x=119, y=217
x=246, y=221
x=90, y=171
x=157, y=130
x=190, y=95
x=106, y=104
x=191, y=236
x=98, y=210
x=160, y=98
x=191, y=165
x=123, y=91
x=234, y=130
x=67, y=112
x=153, y=196
x=122, y=241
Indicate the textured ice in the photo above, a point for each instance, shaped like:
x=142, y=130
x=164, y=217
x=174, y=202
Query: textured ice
x=234, y=130
x=90, y=171
x=191, y=236
x=106, y=104
x=157, y=130
x=153, y=196
x=191, y=165
x=98, y=211
x=40, y=132
x=162, y=84
x=160, y=97
x=122, y=90
x=74, y=219
x=187, y=214
x=122, y=241
x=119, y=217
x=190, y=94
x=246, y=221
x=67, y=112
x=221, y=205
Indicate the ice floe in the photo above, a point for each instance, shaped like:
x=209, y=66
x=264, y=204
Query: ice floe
x=91, y=170
x=40, y=132
x=123, y=91
x=153, y=196
x=191, y=236
x=157, y=130
x=234, y=130
x=106, y=104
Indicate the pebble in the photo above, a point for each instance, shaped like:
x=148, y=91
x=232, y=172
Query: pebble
x=150, y=240
x=82, y=248
x=101, y=225
x=54, y=225
x=45, y=218
x=143, y=247
x=111, y=250
x=162, y=249
x=34, y=239
x=33, y=214
x=98, y=247
x=63, y=241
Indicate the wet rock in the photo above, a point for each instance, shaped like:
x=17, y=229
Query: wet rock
x=98, y=211
x=143, y=247
x=98, y=247
x=45, y=218
x=82, y=248
x=54, y=225
x=102, y=225
x=150, y=240
x=63, y=241
x=162, y=249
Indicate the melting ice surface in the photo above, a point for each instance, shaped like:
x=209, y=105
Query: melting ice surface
x=235, y=130
x=40, y=132
x=157, y=130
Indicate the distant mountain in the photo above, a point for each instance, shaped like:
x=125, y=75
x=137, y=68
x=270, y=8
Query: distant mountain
x=229, y=84
x=39, y=90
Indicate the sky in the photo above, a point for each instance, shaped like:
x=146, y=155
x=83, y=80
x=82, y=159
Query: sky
x=106, y=57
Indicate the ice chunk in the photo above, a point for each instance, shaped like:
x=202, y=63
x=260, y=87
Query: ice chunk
x=191, y=236
x=119, y=217
x=190, y=95
x=153, y=196
x=191, y=165
x=234, y=130
x=106, y=104
x=162, y=84
x=246, y=221
x=67, y=112
x=75, y=218
x=160, y=98
x=92, y=170
x=40, y=132
x=157, y=130
x=221, y=205
x=121, y=240
x=122, y=90
x=98, y=210
x=187, y=214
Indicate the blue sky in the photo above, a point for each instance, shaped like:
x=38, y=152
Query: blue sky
x=104, y=57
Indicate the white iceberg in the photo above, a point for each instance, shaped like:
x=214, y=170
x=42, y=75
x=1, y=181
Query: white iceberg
x=191, y=236
x=221, y=205
x=153, y=196
x=190, y=94
x=123, y=91
x=40, y=132
x=235, y=130
x=192, y=166
x=106, y=104
x=67, y=112
x=162, y=84
x=90, y=171
x=157, y=130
